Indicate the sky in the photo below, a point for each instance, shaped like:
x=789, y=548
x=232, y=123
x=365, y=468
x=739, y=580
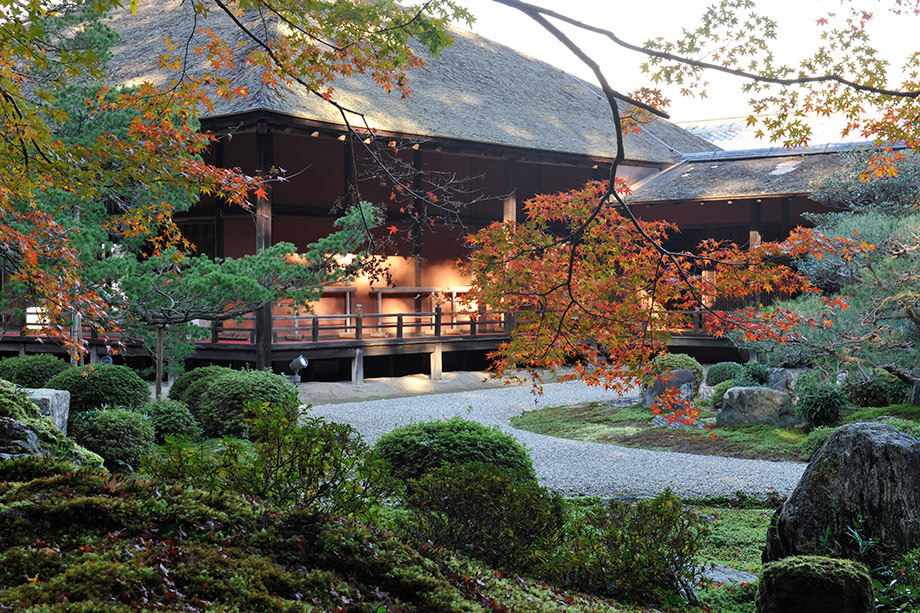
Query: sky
x=639, y=20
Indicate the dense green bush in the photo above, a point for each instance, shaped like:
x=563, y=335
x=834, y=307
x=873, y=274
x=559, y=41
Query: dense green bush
x=102, y=385
x=182, y=383
x=722, y=371
x=679, y=361
x=484, y=511
x=645, y=550
x=293, y=460
x=718, y=392
x=220, y=408
x=877, y=389
x=417, y=448
x=812, y=380
x=897, y=584
x=31, y=370
x=820, y=406
x=753, y=374
x=171, y=417
x=123, y=438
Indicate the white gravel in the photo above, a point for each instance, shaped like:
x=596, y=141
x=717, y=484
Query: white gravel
x=575, y=468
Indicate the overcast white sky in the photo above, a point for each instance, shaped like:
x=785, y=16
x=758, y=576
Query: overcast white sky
x=639, y=20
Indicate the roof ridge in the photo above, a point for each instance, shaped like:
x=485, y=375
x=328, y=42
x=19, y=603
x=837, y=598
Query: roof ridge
x=739, y=154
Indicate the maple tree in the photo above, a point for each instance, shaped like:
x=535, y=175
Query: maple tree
x=48, y=47
x=590, y=282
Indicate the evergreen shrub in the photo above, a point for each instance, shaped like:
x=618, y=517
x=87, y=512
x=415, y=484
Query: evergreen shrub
x=718, y=392
x=414, y=449
x=643, y=551
x=877, y=389
x=679, y=361
x=180, y=386
x=752, y=374
x=820, y=406
x=486, y=512
x=171, y=417
x=220, y=409
x=123, y=438
x=32, y=371
x=722, y=371
x=102, y=385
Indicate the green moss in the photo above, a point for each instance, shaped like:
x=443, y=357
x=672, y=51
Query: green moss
x=810, y=584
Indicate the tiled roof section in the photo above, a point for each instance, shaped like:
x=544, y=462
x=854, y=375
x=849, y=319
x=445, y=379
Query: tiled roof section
x=739, y=174
x=735, y=132
x=476, y=91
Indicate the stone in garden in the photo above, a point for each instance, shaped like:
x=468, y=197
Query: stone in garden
x=867, y=477
x=681, y=379
x=17, y=439
x=780, y=380
x=815, y=584
x=53, y=403
x=756, y=405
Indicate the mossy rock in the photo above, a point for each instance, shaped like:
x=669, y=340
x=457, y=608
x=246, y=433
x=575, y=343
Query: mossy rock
x=815, y=584
x=17, y=405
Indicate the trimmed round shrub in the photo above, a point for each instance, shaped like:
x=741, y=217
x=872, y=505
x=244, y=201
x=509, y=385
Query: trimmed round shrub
x=31, y=370
x=221, y=407
x=171, y=417
x=752, y=374
x=418, y=448
x=718, y=392
x=123, y=438
x=102, y=385
x=484, y=511
x=679, y=361
x=182, y=383
x=820, y=407
x=814, y=584
x=722, y=371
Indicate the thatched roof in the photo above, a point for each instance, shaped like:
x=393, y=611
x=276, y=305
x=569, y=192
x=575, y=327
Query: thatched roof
x=742, y=174
x=476, y=91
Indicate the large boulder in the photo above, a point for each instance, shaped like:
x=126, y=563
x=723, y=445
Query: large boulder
x=756, y=405
x=18, y=439
x=865, y=478
x=781, y=380
x=680, y=379
x=815, y=584
x=53, y=403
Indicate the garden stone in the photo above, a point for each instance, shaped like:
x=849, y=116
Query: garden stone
x=53, y=403
x=726, y=575
x=680, y=379
x=815, y=584
x=756, y=405
x=865, y=476
x=17, y=439
x=780, y=380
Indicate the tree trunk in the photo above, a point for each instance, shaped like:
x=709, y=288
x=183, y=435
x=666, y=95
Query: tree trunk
x=914, y=393
x=159, y=363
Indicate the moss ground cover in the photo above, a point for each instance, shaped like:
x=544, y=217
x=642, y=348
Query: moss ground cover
x=631, y=426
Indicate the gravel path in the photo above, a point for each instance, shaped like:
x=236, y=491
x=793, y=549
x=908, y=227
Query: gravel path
x=575, y=468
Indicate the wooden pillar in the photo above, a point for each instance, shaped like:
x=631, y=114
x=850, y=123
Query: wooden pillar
x=509, y=209
x=264, y=163
x=437, y=362
x=218, y=205
x=420, y=207
x=754, y=233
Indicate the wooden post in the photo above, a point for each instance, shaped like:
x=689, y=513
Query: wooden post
x=437, y=321
x=359, y=322
x=509, y=204
x=264, y=163
x=314, y=329
x=399, y=326
x=437, y=362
